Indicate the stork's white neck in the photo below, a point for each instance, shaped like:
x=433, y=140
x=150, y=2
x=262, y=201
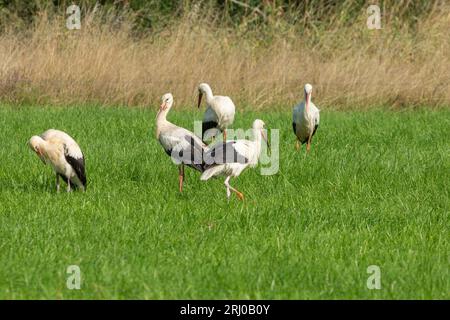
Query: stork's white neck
x=161, y=120
x=161, y=117
x=48, y=150
x=208, y=94
x=257, y=135
x=307, y=104
x=257, y=139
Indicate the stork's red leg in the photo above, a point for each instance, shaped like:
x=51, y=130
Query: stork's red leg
x=181, y=177
x=224, y=135
x=180, y=182
x=240, y=195
x=57, y=183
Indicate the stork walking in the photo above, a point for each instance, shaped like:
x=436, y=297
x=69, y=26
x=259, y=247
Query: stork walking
x=219, y=113
x=58, y=149
x=305, y=119
x=230, y=158
x=183, y=146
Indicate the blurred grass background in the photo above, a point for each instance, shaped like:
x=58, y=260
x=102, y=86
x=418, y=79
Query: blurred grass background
x=260, y=53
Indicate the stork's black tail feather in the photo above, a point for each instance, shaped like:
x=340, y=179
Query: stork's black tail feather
x=207, y=125
x=78, y=165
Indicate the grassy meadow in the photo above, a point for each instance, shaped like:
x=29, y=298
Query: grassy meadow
x=373, y=191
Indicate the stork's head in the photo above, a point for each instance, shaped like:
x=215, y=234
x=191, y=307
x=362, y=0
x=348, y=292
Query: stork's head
x=203, y=88
x=308, y=89
x=36, y=144
x=258, y=126
x=166, y=102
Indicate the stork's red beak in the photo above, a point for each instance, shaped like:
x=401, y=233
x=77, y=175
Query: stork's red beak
x=200, y=95
x=263, y=135
x=307, y=100
x=39, y=153
x=161, y=108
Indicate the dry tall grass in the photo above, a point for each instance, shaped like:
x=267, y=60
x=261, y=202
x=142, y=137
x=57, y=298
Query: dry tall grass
x=349, y=66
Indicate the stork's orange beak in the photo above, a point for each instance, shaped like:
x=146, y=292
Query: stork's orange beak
x=307, y=101
x=39, y=154
x=161, y=108
x=263, y=135
x=200, y=95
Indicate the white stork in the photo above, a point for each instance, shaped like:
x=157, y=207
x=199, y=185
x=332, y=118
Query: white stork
x=184, y=147
x=232, y=157
x=219, y=113
x=305, y=119
x=58, y=149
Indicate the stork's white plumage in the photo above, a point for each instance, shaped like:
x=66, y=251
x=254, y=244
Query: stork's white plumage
x=232, y=157
x=305, y=119
x=183, y=146
x=58, y=149
x=219, y=113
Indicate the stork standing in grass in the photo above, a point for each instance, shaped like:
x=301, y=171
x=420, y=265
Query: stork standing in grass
x=60, y=150
x=219, y=113
x=305, y=119
x=184, y=147
x=232, y=157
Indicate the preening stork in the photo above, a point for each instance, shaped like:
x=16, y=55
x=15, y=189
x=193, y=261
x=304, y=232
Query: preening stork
x=232, y=157
x=305, y=119
x=60, y=150
x=219, y=113
x=184, y=147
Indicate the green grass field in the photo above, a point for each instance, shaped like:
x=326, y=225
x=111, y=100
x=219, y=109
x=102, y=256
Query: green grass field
x=373, y=191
